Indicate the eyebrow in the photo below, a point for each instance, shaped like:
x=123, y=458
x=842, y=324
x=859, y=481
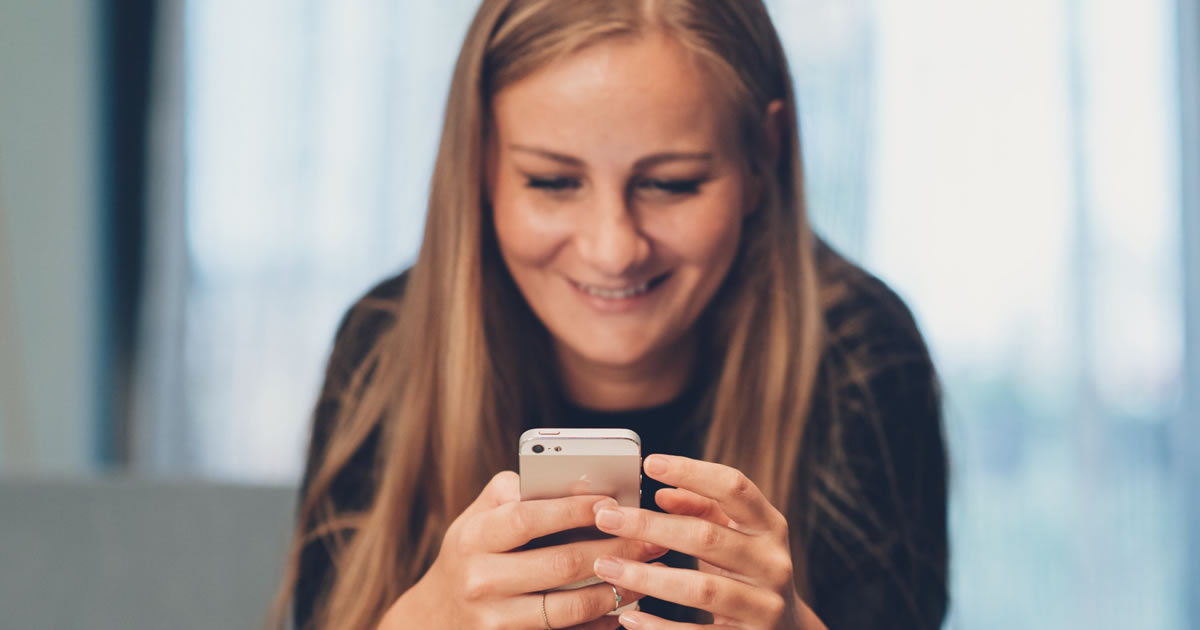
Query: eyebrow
x=649, y=160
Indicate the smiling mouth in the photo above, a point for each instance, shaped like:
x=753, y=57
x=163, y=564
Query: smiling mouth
x=623, y=293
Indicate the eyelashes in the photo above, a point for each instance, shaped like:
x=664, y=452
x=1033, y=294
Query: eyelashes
x=673, y=186
x=553, y=184
x=661, y=187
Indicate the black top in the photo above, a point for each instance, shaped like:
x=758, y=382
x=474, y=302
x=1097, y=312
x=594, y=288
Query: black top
x=890, y=432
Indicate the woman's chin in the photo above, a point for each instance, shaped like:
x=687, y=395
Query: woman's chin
x=610, y=355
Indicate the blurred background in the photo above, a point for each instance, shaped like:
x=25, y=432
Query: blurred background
x=193, y=192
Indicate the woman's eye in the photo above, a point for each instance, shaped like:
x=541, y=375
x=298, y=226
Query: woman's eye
x=553, y=184
x=673, y=186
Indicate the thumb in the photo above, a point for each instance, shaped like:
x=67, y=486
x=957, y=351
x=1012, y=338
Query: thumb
x=504, y=487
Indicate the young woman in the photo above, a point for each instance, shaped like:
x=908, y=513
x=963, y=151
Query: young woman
x=616, y=237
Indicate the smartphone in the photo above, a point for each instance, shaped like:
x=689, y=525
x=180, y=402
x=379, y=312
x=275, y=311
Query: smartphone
x=558, y=463
x=566, y=462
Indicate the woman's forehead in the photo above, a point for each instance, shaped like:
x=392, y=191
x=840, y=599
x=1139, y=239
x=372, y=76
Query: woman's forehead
x=616, y=97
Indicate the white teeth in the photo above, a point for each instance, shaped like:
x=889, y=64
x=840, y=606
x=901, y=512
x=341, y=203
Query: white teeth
x=615, y=294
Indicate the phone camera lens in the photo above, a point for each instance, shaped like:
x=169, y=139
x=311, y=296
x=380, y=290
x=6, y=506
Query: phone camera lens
x=538, y=448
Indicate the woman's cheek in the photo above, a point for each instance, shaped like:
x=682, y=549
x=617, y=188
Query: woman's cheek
x=529, y=230
x=702, y=233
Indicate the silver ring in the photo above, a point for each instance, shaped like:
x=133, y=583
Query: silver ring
x=545, y=619
x=618, y=596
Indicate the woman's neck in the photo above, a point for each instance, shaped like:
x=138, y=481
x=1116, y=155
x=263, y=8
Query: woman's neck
x=656, y=380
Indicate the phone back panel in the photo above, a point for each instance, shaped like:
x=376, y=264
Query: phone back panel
x=548, y=476
x=578, y=462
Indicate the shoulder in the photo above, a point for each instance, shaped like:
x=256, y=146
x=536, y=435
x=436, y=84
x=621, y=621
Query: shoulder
x=375, y=311
x=876, y=374
x=360, y=330
x=881, y=390
x=864, y=317
x=361, y=327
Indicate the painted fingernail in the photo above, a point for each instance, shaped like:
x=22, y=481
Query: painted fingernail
x=630, y=620
x=608, y=568
x=656, y=465
x=609, y=518
x=603, y=503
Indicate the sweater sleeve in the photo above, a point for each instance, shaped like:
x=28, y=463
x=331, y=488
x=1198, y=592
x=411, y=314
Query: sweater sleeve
x=892, y=571
x=353, y=486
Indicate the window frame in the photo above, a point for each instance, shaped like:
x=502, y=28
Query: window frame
x=1187, y=442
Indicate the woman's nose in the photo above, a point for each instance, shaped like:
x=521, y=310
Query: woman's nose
x=610, y=241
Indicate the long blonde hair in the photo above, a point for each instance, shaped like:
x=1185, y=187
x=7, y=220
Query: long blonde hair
x=445, y=386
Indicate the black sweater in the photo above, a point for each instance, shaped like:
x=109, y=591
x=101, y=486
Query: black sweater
x=893, y=575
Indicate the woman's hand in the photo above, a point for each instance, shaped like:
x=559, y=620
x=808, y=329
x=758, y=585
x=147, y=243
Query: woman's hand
x=719, y=516
x=479, y=582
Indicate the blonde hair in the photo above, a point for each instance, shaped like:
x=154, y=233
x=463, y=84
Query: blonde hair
x=444, y=387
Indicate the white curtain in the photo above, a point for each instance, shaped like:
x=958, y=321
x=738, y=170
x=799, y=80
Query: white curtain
x=1026, y=206
x=1008, y=166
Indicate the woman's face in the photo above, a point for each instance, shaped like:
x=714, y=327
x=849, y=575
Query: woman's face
x=618, y=197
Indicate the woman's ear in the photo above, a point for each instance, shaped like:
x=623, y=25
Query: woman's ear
x=774, y=125
x=774, y=130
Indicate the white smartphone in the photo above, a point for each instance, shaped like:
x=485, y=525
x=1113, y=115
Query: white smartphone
x=558, y=463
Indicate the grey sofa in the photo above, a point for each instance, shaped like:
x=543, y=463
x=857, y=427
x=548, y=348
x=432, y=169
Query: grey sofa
x=131, y=555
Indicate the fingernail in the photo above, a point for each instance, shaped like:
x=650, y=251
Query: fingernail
x=630, y=620
x=656, y=465
x=603, y=503
x=654, y=550
x=609, y=518
x=608, y=568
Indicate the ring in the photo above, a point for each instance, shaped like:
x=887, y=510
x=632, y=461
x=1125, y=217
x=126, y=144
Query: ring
x=618, y=596
x=545, y=619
